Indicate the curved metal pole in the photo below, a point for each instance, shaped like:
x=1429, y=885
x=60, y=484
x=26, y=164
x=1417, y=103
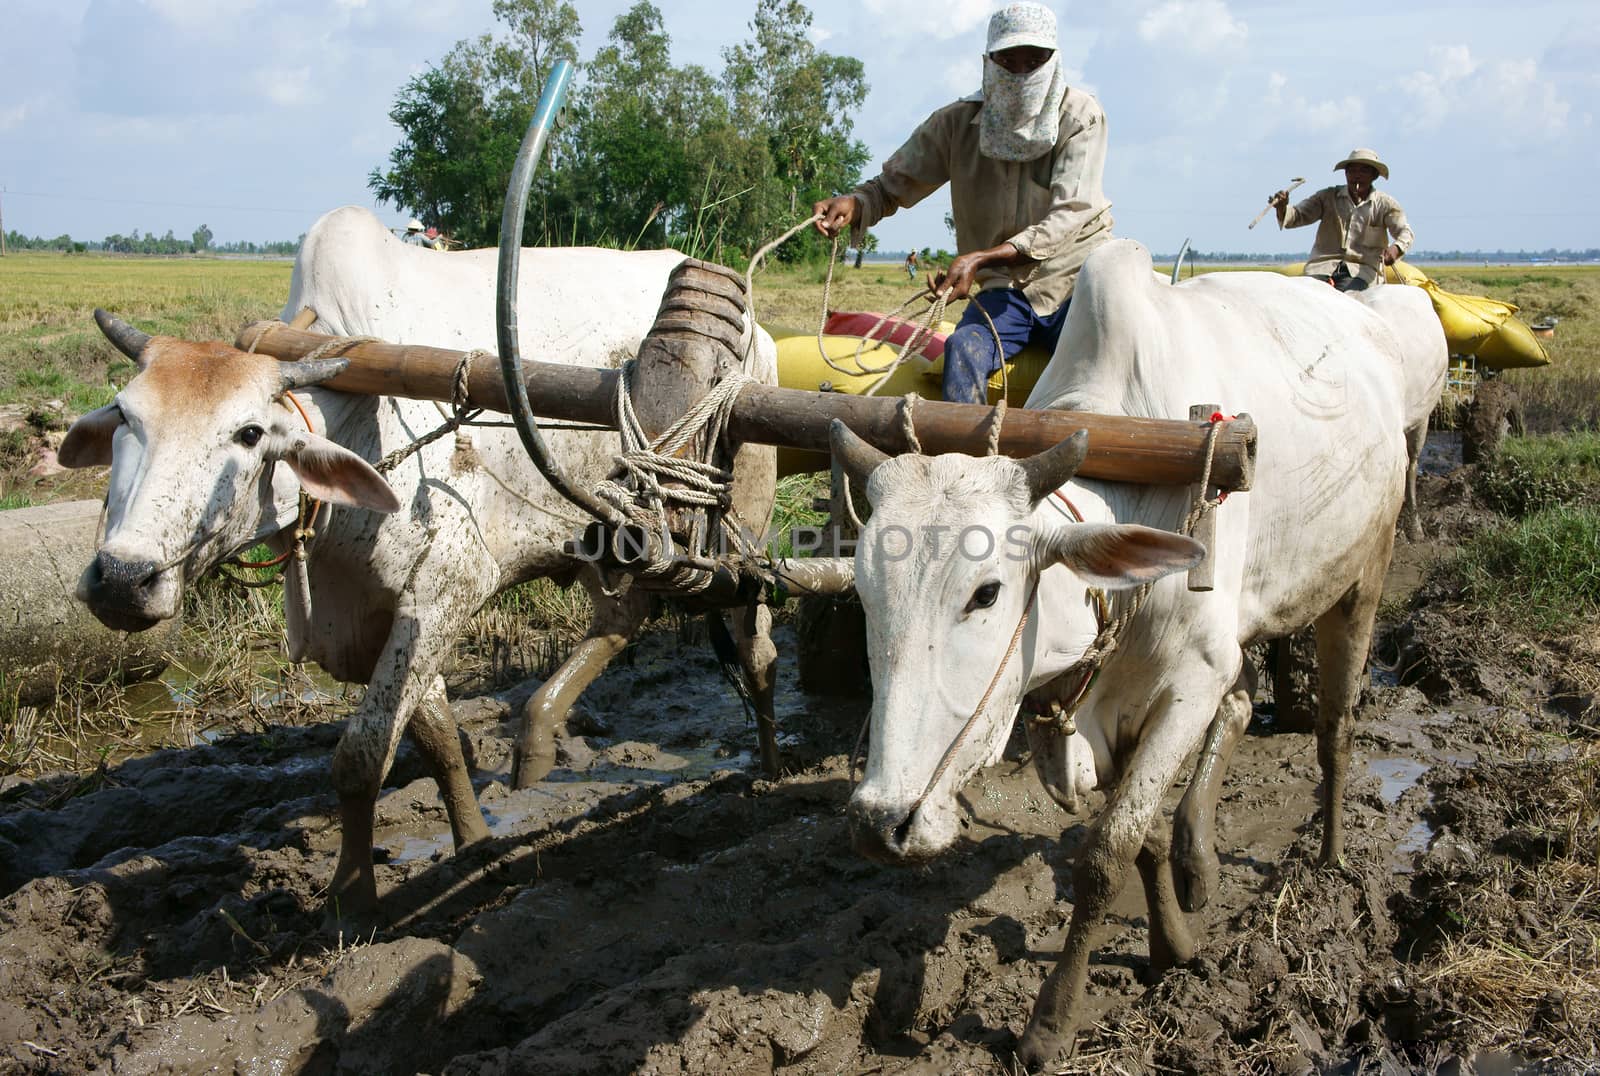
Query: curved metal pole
x=544, y=114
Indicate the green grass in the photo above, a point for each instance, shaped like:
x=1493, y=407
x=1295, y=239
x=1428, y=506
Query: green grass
x=1541, y=572
x=1533, y=473
x=50, y=347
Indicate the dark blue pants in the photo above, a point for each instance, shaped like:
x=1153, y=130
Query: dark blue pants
x=969, y=358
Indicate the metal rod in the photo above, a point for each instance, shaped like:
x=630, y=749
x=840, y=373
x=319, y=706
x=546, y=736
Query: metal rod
x=511, y=218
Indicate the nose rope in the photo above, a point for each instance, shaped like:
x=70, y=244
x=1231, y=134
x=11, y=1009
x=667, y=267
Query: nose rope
x=983, y=703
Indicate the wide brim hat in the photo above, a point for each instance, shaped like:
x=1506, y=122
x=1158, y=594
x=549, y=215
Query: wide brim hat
x=1016, y=25
x=1363, y=156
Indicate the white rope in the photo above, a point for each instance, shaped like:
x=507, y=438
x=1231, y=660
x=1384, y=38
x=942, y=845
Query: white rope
x=642, y=495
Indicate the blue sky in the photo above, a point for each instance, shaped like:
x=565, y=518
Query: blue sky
x=255, y=116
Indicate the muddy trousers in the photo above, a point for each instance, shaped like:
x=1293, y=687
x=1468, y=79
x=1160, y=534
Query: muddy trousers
x=969, y=357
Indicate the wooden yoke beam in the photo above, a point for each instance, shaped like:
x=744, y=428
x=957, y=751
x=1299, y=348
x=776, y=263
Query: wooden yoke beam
x=1121, y=449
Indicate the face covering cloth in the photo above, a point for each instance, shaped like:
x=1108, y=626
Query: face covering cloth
x=1021, y=114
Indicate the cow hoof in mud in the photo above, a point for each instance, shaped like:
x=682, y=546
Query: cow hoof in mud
x=1041, y=1050
x=1195, y=877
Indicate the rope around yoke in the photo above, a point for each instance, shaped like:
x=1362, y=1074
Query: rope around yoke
x=649, y=464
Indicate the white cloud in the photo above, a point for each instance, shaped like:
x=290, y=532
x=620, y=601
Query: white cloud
x=1293, y=111
x=13, y=116
x=1511, y=96
x=286, y=87
x=1194, y=26
x=203, y=16
x=939, y=19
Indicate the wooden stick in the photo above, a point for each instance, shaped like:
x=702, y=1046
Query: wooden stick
x=1140, y=450
x=1287, y=190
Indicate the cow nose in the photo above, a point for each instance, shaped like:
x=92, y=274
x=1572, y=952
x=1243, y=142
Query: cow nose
x=113, y=577
x=879, y=833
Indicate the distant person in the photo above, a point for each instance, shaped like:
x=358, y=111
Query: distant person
x=911, y=266
x=1024, y=159
x=1356, y=222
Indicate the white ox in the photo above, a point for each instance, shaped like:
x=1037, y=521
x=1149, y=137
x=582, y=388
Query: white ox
x=196, y=439
x=1418, y=338
x=1323, y=378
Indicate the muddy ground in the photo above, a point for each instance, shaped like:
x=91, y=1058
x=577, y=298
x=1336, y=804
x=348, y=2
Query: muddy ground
x=658, y=907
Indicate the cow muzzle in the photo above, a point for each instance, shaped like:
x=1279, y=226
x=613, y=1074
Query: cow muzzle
x=129, y=595
x=891, y=832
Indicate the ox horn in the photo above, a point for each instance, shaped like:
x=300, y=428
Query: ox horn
x=297, y=375
x=128, y=340
x=858, y=458
x=1049, y=470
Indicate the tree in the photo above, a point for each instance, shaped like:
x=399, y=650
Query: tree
x=801, y=101
x=202, y=237
x=464, y=119
x=650, y=154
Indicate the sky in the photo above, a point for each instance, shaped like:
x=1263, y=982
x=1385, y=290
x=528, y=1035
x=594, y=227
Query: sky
x=256, y=116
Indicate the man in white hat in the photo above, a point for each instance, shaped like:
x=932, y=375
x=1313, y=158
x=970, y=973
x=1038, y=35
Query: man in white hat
x=1352, y=244
x=1024, y=159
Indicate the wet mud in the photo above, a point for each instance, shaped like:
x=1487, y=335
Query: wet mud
x=656, y=906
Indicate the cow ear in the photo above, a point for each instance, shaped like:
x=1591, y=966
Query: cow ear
x=88, y=442
x=1121, y=555
x=338, y=476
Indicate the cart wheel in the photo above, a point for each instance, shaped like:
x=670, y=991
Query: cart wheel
x=1493, y=413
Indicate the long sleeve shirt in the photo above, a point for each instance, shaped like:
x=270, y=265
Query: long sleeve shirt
x=1350, y=233
x=1052, y=208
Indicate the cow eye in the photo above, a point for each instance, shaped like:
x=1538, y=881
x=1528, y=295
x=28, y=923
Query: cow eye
x=251, y=436
x=984, y=596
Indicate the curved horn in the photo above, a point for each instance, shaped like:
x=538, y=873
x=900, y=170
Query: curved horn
x=1049, y=470
x=297, y=375
x=858, y=458
x=128, y=340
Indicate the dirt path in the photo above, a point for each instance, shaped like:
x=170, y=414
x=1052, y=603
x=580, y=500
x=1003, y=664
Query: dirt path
x=657, y=907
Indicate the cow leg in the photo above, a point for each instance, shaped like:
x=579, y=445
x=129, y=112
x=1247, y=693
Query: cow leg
x=615, y=622
x=1410, y=514
x=1115, y=840
x=752, y=630
x=1171, y=943
x=1344, y=634
x=1194, y=853
x=433, y=729
x=446, y=585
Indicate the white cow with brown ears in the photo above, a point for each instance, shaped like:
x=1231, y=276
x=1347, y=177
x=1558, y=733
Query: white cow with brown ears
x=1323, y=379
x=208, y=457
